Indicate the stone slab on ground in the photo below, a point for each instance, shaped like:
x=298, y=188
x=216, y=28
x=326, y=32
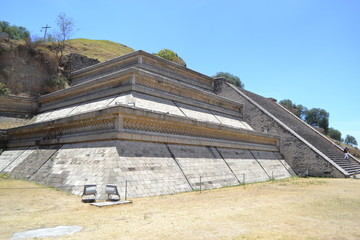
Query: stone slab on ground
x=105, y=204
x=46, y=232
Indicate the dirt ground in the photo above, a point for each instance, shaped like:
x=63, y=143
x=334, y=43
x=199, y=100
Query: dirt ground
x=295, y=208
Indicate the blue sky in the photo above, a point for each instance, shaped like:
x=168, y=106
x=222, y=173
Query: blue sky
x=307, y=51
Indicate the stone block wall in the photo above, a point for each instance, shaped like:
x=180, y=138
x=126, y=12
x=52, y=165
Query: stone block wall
x=301, y=157
x=14, y=106
x=146, y=168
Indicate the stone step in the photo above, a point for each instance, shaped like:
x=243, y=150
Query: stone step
x=311, y=136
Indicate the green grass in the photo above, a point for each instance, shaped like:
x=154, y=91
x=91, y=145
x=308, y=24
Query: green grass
x=102, y=50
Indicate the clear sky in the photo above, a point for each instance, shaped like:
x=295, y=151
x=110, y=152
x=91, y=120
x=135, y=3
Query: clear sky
x=307, y=51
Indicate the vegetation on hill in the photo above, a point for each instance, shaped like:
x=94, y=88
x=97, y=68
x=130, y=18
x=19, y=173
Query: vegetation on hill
x=13, y=32
x=102, y=50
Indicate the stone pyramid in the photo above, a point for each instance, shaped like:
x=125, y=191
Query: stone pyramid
x=153, y=127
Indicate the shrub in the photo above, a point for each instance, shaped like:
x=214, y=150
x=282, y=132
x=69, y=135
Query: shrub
x=4, y=90
x=57, y=83
x=171, y=56
x=235, y=80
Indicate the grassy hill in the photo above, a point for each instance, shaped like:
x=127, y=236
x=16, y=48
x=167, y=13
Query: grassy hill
x=102, y=50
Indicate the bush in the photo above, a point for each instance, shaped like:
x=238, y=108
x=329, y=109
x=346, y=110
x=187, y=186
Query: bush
x=57, y=83
x=4, y=90
x=171, y=56
x=235, y=80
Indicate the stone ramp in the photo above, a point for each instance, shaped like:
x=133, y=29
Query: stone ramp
x=142, y=168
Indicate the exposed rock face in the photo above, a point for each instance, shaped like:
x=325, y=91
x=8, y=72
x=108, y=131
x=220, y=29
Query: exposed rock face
x=23, y=69
x=74, y=61
x=26, y=68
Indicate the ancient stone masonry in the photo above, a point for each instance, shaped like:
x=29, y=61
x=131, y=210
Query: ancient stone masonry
x=307, y=151
x=154, y=126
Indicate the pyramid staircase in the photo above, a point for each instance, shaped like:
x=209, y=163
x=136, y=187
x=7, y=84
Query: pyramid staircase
x=319, y=141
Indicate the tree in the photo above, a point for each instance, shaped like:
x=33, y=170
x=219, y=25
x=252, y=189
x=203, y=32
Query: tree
x=334, y=134
x=317, y=117
x=14, y=32
x=66, y=30
x=298, y=110
x=350, y=140
x=231, y=78
x=171, y=56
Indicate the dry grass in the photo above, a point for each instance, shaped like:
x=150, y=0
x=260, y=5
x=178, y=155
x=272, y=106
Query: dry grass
x=102, y=50
x=295, y=208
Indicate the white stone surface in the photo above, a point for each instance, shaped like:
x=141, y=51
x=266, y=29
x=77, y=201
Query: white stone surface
x=8, y=156
x=272, y=165
x=143, y=101
x=92, y=106
x=146, y=168
x=197, y=113
x=231, y=121
x=244, y=165
x=205, y=162
x=20, y=159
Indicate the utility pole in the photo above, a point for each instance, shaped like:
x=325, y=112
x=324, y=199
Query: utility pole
x=46, y=27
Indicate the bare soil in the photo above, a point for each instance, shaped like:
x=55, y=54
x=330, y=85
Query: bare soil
x=295, y=208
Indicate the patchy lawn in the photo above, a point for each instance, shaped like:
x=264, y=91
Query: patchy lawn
x=295, y=208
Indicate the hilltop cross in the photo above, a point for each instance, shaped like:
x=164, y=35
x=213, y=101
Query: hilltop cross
x=46, y=27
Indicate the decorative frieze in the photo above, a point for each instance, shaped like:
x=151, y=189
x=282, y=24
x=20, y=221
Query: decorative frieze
x=99, y=71
x=132, y=120
x=181, y=129
x=189, y=93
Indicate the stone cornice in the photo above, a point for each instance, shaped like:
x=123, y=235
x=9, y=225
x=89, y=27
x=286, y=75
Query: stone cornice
x=97, y=88
x=147, y=61
x=17, y=104
x=120, y=121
